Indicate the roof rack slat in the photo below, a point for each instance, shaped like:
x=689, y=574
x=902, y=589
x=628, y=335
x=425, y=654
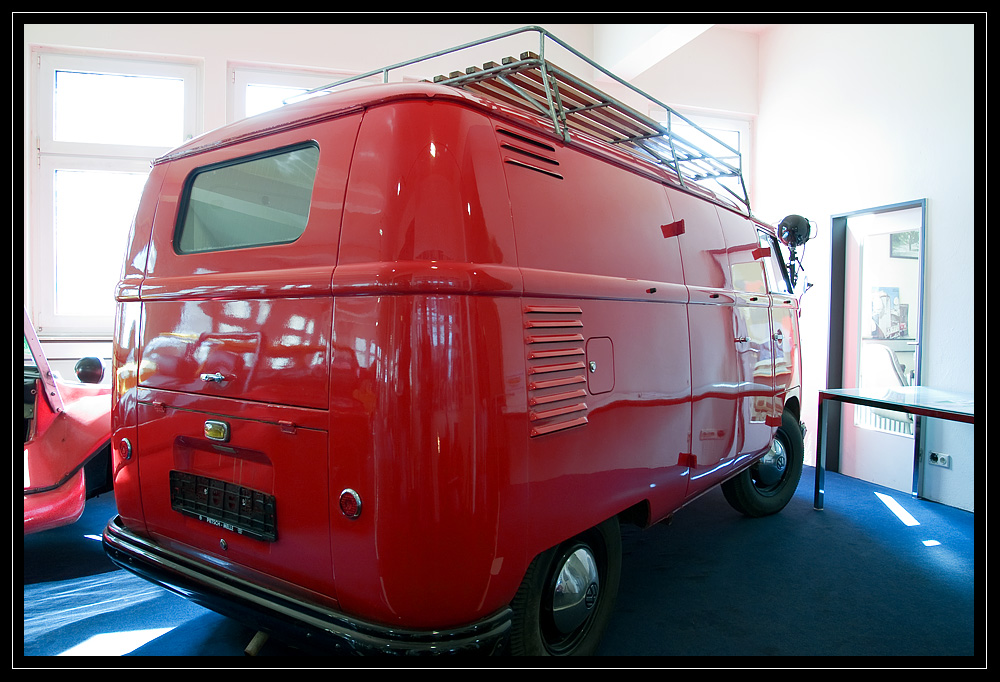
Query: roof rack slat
x=587, y=98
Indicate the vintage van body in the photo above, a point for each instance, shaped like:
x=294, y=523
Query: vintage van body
x=392, y=365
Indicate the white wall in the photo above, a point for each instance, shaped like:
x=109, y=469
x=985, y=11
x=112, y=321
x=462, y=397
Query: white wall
x=860, y=116
x=715, y=72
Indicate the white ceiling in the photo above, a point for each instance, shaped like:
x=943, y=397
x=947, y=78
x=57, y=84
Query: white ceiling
x=629, y=49
x=746, y=28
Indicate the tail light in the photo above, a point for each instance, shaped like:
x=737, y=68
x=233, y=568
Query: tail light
x=350, y=504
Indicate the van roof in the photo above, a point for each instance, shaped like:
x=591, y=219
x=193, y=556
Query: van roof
x=356, y=99
x=307, y=112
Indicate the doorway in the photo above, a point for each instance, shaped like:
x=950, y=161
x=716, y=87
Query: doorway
x=876, y=312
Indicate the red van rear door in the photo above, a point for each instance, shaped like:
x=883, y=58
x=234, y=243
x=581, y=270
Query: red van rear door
x=235, y=351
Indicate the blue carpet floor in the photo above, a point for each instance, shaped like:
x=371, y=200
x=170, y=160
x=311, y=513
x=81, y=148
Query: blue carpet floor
x=851, y=585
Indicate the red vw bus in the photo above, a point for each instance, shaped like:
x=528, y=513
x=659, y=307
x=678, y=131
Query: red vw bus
x=393, y=364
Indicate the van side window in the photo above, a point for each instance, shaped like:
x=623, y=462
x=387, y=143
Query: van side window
x=748, y=277
x=774, y=267
x=254, y=201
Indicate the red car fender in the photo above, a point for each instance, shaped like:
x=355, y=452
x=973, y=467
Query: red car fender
x=54, y=486
x=55, y=508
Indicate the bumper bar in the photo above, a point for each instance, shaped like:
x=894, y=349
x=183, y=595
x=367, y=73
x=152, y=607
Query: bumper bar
x=298, y=622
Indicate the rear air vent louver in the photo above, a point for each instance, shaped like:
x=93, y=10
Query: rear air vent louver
x=522, y=164
x=526, y=140
x=556, y=368
x=525, y=152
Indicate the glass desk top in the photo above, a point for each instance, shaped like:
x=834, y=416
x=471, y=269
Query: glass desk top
x=920, y=400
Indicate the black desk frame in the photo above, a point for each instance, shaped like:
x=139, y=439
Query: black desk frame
x=916, y=400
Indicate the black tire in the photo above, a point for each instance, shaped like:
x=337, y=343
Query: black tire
x=537, y=630
x=769, y=484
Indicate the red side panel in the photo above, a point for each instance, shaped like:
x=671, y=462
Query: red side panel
x=715, y=369
x=427, y=377
x=125, y=358
x=604, y=340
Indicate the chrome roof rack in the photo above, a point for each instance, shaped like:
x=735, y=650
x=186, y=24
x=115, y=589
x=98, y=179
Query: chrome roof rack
x=532, y=82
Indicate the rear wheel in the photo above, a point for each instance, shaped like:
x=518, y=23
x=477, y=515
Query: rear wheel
x=565, y=601
x=769, y=484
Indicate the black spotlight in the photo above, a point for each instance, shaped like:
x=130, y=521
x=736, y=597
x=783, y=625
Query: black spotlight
x=794, y=230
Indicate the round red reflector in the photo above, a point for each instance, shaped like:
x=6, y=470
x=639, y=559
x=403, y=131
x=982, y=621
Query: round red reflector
x=350, y=504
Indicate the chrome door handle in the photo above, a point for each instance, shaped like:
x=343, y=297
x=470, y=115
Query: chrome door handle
x=741, y=339
x=217, y=377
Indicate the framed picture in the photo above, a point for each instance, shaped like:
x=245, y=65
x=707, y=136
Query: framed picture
x=904, y=244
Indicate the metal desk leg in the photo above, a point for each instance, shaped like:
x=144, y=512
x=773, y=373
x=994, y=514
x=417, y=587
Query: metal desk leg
x=820, y=456
x=918, y=451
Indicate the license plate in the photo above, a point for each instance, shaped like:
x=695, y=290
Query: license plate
x=226, y=505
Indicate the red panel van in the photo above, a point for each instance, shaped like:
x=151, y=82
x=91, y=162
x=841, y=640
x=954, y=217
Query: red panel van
x=393, y=364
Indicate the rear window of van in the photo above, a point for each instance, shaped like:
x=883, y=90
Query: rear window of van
x=252, y=201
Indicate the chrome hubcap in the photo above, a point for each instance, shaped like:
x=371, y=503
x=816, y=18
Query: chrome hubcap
x=575, y=591
x=771, y=467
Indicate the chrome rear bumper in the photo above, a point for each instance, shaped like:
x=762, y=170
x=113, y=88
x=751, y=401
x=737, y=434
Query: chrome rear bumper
x=300, y=623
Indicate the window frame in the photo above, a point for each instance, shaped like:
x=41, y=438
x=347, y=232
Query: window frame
x=48, y=62
x=47, y=320
x=47, y=155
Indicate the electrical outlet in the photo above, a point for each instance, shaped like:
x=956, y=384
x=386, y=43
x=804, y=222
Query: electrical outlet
x=937, y=459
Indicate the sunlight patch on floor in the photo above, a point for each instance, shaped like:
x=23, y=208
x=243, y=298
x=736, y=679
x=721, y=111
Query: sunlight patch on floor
x=896, y=509
x=114, y=643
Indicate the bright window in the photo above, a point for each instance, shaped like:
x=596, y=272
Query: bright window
x=253, y=202
x=259, y=88
x=92, y=211
x=97, y=123
x=734, y=132
x=116, y=109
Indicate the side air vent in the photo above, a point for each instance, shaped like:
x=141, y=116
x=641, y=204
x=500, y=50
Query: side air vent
x=543, y=171
x=530, y=155
x=527, y=140
x=526, y=152
x=556, y=368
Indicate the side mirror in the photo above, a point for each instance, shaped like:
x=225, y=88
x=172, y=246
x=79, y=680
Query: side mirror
x=89, y=370
x=794, y=230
